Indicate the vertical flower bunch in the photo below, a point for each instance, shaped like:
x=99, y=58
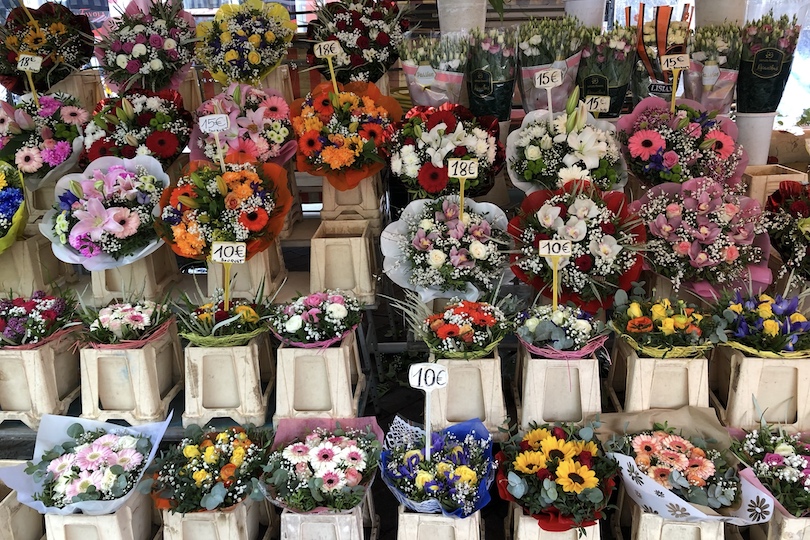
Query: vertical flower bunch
x=607, y=64
x=787, y=220
x=13, y=214
x=491, y=71
x=655, y=39
x=32, y=320
x=434, y=68
x=712, y=75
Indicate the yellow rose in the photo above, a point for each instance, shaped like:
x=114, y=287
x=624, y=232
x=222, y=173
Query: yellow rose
x=681, y=321
x=770, y=327
x=634, y=311
x=766, y=298
x=269, y=36
x=206, y=318
x=231, y=56
x=736, y=308
x=444, y=467
x=413, y=453
x=423, y=477
x=191, y=451
x=466, y=474
x=659, y=312
x=200, y=477
x=255, y=40
x=238, y=456
x=668, y=326
x=225, y=37
x=798, y=317
x=697, y=317
x=223, y=437
x=211, y=455
x=765, y=311
x=254, y=57
x=247, y=313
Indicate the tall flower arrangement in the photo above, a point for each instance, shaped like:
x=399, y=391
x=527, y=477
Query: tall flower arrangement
x=712, y=76
x=491, y=71
x=606, y=66
x=656, y=38
x=434, y=68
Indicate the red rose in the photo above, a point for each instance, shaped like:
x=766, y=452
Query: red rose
x=542, y=474
x=376, y=16
x=800, y=208
x=357, y=60
x=608, y=228
x=220, y=315
x=18, y=302
x=584, y=263
x=558, y=432
x=409, y=140
x=2, y=324
x=524, y=445
x=144, y=118
x=362, y=42
x=439, y=117
x=404, y=24
x=432, y=179
x=49, y=315
x=383, y=39
x=790, y=189
x=341, y=25
x=460, y=151
x=585, y=458
x=128, y=151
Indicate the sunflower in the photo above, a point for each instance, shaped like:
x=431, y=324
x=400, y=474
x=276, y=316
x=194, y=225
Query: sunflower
x=589, y=447
x=529, y=462
x=536, y=436
x=35, y=38
x=575, y=478
x=559, y=449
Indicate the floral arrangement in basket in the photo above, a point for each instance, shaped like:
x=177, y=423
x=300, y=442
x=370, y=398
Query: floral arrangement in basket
x=434, y=67
x=60, y=37
x=456, y=479
x=215, y=324
x=327, y=467
x=661, y=146
x=787, y=220
x=13, y=212
x=606, y=68
x=558, y=474
x=550, y=150
x=712, y=75
x=432, y=251
x=33, y=321
x=245, y=41
x=320, y=319
x=369, y=33
x=209, y=470
x=763, y=326
x=340, y=135
x=420, y=147
x=491, y=70
x=150, y=46
x=259, y=128
x=43, y=140
x=563, y=333
x=139, y=123
x=104, y=217
x=125, y=324
x=703, y=233
x=606, y=242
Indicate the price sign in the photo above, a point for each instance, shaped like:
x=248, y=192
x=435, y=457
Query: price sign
x=550, y=78
x=462, y=168
x=427, y=376
x=29, y=62
x=598, y=104
x=327, y=49
x=214, y=123
x=229, y=252
x=547, y=248
x=675, y=61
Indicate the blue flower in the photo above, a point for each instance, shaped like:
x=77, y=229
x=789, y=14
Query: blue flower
x=785, y=305
x=67, y=199
x=742, y=329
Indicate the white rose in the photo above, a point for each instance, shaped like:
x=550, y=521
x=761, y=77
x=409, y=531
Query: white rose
x=436, y=258
x=108, y=480
x=293, y=324
x=583, y=326
x=546, y=142
x=121, y=61
x=558, y=317
x=531, y=324
x=137, y=29
x=784, y=449
x=127, y=441
x=156, y=64
x=426, y=224
x=169, y=44
x=478, y=250
x=139, y=50
x=62, y=484
x=337, y=311
x=532, y=153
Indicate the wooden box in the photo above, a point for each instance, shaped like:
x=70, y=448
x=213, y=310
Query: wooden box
x=762, y=180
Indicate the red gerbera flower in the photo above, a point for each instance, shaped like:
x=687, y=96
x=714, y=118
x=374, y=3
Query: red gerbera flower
x=372, y=132
x=100, y=148
x=442, y=116
x=254, y=221
x=162, y=144
x=310, y=142
x=432, y=179
x=323, y=105
x=447, y=330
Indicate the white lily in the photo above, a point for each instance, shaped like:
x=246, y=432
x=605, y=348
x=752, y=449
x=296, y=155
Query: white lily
x=587, y=147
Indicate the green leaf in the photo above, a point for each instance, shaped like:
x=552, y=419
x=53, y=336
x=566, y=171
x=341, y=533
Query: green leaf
x=215, y=498
x=75, y=431
x=586, y=433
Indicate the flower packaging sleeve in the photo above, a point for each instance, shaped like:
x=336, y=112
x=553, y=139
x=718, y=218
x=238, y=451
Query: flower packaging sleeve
x=13, y=212
x=659, y=37
x=713, y=69
x=434, y=68
x=491, y=72
x=607, y=66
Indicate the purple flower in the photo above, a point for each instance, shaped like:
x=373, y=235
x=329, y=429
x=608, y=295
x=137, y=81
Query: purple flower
x=84, y=245
x=140, y=38
x=742, y=329
x=457, y=229
x=156, y=41
x=423, y=241
x=785, y=305
x=773, y=460
x=449, y=212
x=481, y=231
x=743, y=235
x=460, y=258
x=58, y=154
x=707, y=232
x=173, y=54
x=67, y=199
x=116, y=46
x=133, y=66
x=127, y=47
x=698, y=258
x=665, y=228
x=48, y=106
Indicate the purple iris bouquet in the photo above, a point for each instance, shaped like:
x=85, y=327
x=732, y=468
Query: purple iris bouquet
x=764, y=326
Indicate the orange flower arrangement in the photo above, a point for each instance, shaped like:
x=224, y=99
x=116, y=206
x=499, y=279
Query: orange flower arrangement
x=465, y=330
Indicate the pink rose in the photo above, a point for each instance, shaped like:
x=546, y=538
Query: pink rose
x=693, y=130
x=682, y=248
x=731, y=209
x=730, y=254
x=353, y=477
x=337, y=299
x=673, y=209
x=670, y=159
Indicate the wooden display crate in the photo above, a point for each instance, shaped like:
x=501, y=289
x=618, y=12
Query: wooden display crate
x=17, y=521
x=344, y=526
x=362, y=202
x=415, y=526
x=265, y=268
x=526, y=528
x=29, y=265
x=84, y=85
x=239, y=522
x=342, y=257
x=782, y=527
x=654, y=527
x=150, y=277
x=132, y=521
x=296, y=214
x=762, y=180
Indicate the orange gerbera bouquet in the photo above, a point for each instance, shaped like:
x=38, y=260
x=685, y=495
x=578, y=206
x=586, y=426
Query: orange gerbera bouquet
x=340, y=135
x=465, y=330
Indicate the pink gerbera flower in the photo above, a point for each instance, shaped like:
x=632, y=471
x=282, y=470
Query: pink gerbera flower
x=129, y=222
x=679, y=444
x=296, y=453
x=332, y=479
x=93, y=457
x=645, y=444
x=62, y=464
x=109, y=440
x=673, y=459
x=723, y=144
x=645, y=143
x=28, y=159
x=74, y=115
x=129, y=458
x=323, y=454
x=276, y=108
x=701, y=467
x=355, y=456
x=83, y=483
x=661, y=475
x=243, y=146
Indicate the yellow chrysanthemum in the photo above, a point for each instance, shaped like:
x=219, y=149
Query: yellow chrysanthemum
x=200, y=477
x=771, y=328
x=536, y=436
x=348, y=98
x=529, y=462
x=575, y=478
x=57, y=28
x=466, y=474
x=12, y=42
x=355, y=144
x=559, y=449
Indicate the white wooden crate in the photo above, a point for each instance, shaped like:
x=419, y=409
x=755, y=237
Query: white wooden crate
x=133, y=521
x=361, y=202
x=526, y=528
x=783, y=527
x=654, y=527
x=149, y=277
x=29, y=265
x=266, y=267
x=342, y=257
x=415, y=526
x=84, y=85
x=239, y=522
x=17, y=521
x=344, y=526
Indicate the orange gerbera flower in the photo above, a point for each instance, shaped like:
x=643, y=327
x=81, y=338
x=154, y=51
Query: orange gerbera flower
x=310, y=143
x=372, y=132
x=448, y=330
x=323, y=106
x=254, y=221
x=187, y=190
x=639, y=325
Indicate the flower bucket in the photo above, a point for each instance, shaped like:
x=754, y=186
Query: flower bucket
x=755, y=135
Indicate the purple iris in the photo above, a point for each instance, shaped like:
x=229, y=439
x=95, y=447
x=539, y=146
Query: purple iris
x=67, y=199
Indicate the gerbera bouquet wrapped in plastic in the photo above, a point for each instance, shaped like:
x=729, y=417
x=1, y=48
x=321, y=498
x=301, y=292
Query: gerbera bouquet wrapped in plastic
x=434, y=68
x=60, y=37
x=320, y=319
x=245, y=42
x=438, y=254
x=607, y=66
x=322, y=465
x=369, y=32
x=558, y=474
x=245, y=204
x=658, y=37
x=563, y=333
x=456, y=479
x=127, y=325
x=340, y=135
x=13, y=213
x=139, y=123
x=422, y=144
x=150, y=46
x=44, y=141
x=550, y=150
x=30, y=322
x=712, y=75
x=214, y=324
x=259, y=128
x=787, y=220
x=606, y=240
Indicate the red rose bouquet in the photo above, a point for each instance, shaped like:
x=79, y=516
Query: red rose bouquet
x=787, y=220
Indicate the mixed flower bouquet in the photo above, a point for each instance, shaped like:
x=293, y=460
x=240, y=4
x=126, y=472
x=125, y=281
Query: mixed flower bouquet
x=491, y=70
x=787, y=220
x=712, y=75
x=454, y=482
x=245, y=41
x=320, y=319
x=607, y=66
x=322, y=465
x=558, y=474
x=434, y=68
x=463, y=329
x=259, y=129
x=369, y=33
x=656, y=38
x=138, y=123
x=702, y=231
x=340, y=135
x=61, y=38
x=549, y=150
x=150, y=46
x=126, y=324
x=606, y=242
x=30, y=322
x=105, y=216
x=44, y=140
x=213, y=325
x=661, y=146
x=422, y=144
x=13, y=212
x=437, y=253
x=545, y=44
x=209, y=471
x=563, y=333
x=247, y=203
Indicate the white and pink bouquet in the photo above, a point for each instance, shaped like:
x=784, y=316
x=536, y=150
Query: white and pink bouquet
x=104, y=217
x=126, y=323
x=259, y=128
x=564, y=333
x=319, y=319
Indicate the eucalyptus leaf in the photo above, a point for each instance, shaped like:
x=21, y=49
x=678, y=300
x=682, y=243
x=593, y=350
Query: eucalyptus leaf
x=586, y=433
x=517, y=485
x=75, y=431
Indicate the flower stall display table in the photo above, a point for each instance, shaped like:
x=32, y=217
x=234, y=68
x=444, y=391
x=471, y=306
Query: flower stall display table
x=151, y=277
x=133, y=521
x=30, y=265
x=239, y=522
x=418, y=526
x=762, y=180
x=229, y=382
x=525, y=527
x=362, y=202
x=17, y=520
x=266, y=267
x=342, y=257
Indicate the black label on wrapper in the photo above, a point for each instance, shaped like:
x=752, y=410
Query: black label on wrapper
x=660, y=88
x=481, y=83
x=595, y=85
x=768, y=63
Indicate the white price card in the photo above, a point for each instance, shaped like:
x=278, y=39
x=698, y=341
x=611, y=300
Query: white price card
x=427, y=376
x=547, y=248
x=675, y=61
x=462, y=168
x=598, y=104
x=229, y=252
x=29, y=62
x=325, y=49
x=214, y=123
x=549, y=78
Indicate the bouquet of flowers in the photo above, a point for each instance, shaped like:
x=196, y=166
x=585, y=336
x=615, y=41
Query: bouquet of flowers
x=702, y=231
x=247, y=203
x=767, y=327
x=245, y=41
x=434, y=68
x=61, y=38
x=105, y=216
x=214, y=324
x=549, y=150
x=31, y=322
x=139, y=123
x=656, y=38
x=607, y=65
x=437, y=253
x=558, y=474
x=126, y=324
x=43, y=141
x=661, y=146
x=712, y=75
x=369, y=33
x=209, y=471
x=491, y=71
x=454, y=482
x=320, y=319
x=606, y=243
x=563, y=333
x=420, y=146
x=545, y=44
x=768, y=45
x=259, y=128
x=319, y=465
x=340, y=135
x=13, y=212
x=787, y=220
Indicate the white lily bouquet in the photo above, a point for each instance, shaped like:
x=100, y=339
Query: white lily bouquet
x=434, y=67
x=714, y=66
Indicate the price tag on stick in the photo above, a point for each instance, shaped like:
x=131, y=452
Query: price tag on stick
x=462, y=169
x=597, y=104
x=671, y=62
x=548, y=79
x=28, y=64
x=328, y=49
x=215, y=124
x=427, y=376
x=228, y=253
x=555, y=249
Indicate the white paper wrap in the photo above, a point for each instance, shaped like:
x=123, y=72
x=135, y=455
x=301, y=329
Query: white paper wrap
x=53, y=431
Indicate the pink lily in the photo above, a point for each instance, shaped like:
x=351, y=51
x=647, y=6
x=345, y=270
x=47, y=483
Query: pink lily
x=95, y=220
